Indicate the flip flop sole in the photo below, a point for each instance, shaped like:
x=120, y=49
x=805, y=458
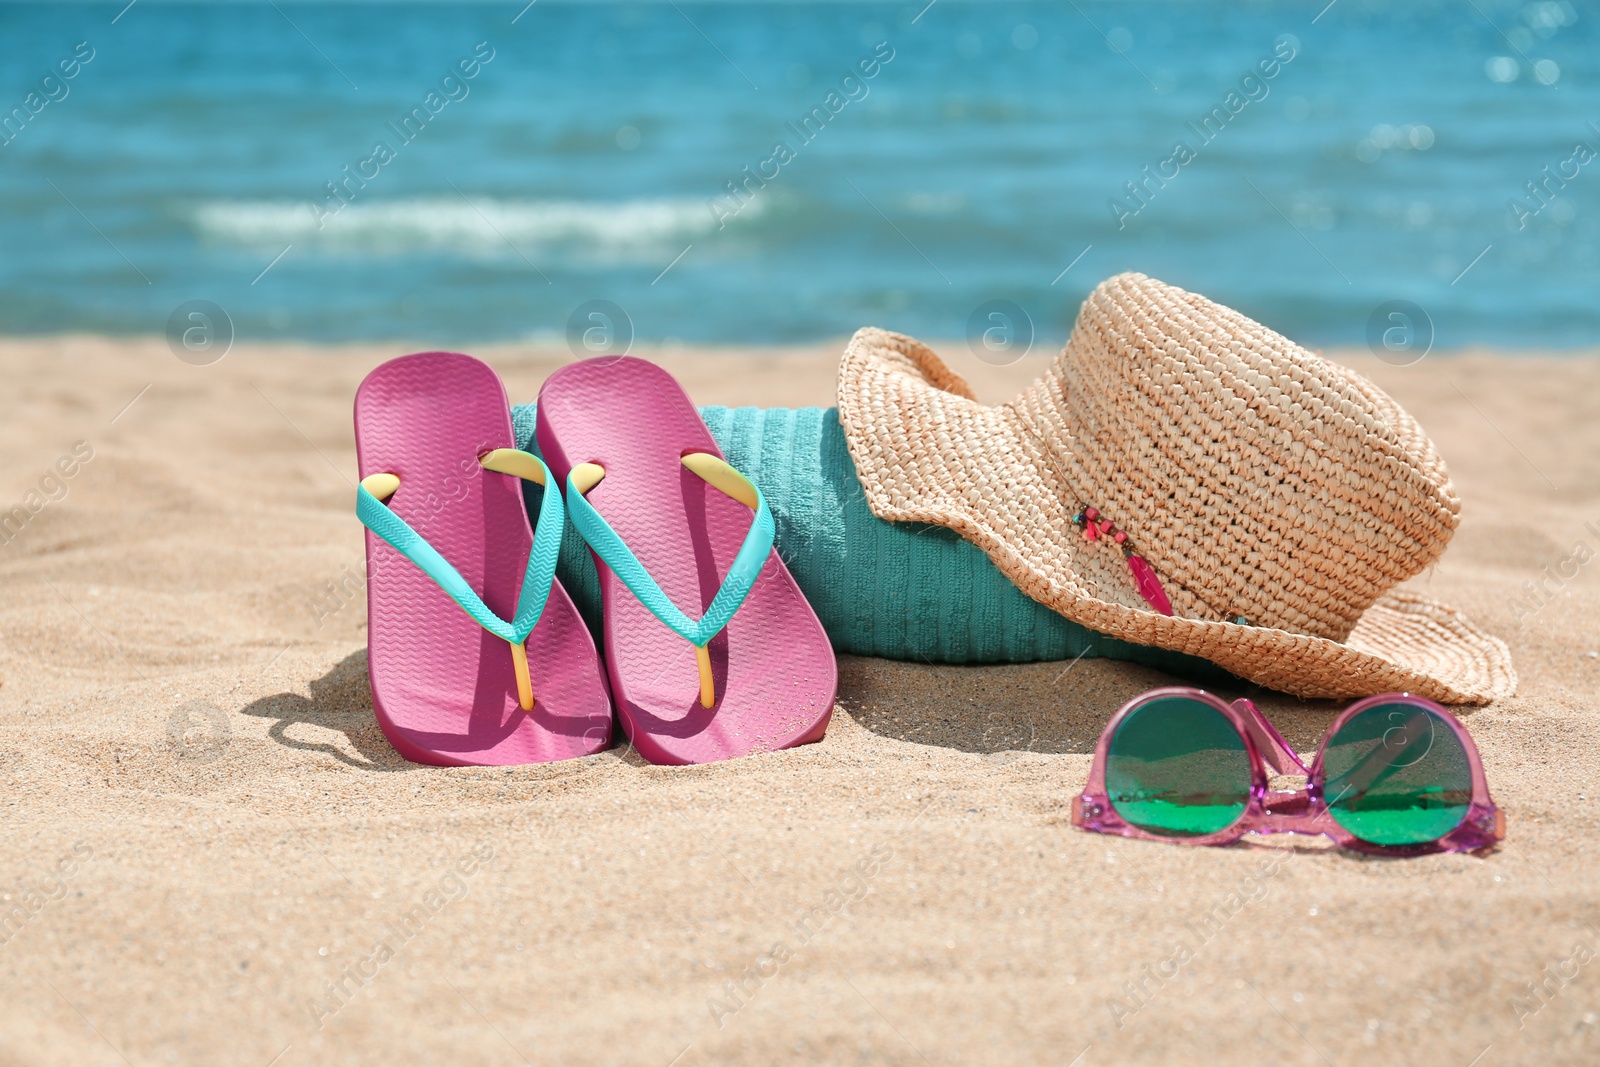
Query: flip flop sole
x=773, y=666
x=444, y=689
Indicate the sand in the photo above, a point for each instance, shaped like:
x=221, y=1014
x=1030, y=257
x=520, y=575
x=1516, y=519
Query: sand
x=205, y=831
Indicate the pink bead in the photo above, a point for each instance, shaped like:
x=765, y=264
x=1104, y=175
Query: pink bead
x=1105, y=527
x=1120, y=537
x=1091, y=514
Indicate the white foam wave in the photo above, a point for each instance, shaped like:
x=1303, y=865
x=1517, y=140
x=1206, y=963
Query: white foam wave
x=483, y=227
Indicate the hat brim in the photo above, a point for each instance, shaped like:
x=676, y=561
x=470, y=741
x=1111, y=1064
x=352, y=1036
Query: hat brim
x=926, y=451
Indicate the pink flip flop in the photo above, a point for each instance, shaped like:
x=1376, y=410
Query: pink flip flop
x=670, y=526
x=475, y=652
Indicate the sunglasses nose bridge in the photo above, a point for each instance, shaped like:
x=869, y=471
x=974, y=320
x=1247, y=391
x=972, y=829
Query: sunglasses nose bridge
x=1291, y=811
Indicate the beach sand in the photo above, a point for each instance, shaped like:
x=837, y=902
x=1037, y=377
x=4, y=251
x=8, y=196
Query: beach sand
x=908, y=891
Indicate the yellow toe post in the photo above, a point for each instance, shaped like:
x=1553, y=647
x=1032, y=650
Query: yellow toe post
x=708, y=687
x=519, y=659
x=381, y=485
x=585, y=476
x=514, y=462
x=717, y=471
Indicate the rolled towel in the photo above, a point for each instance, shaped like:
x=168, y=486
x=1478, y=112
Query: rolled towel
x=903, y=591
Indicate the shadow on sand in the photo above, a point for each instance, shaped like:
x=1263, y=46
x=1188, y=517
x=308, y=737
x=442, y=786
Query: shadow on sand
x=1056, y=708
x=340, y=700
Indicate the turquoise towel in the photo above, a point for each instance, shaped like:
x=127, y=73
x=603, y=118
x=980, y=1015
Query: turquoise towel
x=899, y=590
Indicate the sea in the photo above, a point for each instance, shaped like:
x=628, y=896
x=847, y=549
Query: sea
x=1409, y=175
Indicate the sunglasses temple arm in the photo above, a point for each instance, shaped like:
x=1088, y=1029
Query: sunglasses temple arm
x=1273, y=748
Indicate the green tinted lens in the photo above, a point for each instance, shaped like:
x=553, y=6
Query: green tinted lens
x=1397, y=774
x=1178, y=767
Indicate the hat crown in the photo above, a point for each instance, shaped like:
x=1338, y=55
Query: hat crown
x=1257, y=478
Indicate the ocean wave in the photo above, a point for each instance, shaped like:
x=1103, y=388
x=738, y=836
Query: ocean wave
x=609, y=230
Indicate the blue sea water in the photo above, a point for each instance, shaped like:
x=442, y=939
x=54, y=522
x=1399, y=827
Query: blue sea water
x=588, y=154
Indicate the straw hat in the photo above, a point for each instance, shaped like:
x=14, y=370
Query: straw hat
x=1278, y=497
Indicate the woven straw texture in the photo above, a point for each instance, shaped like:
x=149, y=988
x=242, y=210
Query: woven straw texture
x=1258, y=479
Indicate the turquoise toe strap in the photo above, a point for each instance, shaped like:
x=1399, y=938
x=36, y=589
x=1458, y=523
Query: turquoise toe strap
x=616, y=554
x=537, y=579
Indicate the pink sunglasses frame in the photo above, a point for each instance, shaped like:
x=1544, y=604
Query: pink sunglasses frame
x=1298, y=811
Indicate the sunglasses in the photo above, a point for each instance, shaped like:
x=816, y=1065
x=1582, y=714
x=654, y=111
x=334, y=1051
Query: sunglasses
x=1395, y=775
